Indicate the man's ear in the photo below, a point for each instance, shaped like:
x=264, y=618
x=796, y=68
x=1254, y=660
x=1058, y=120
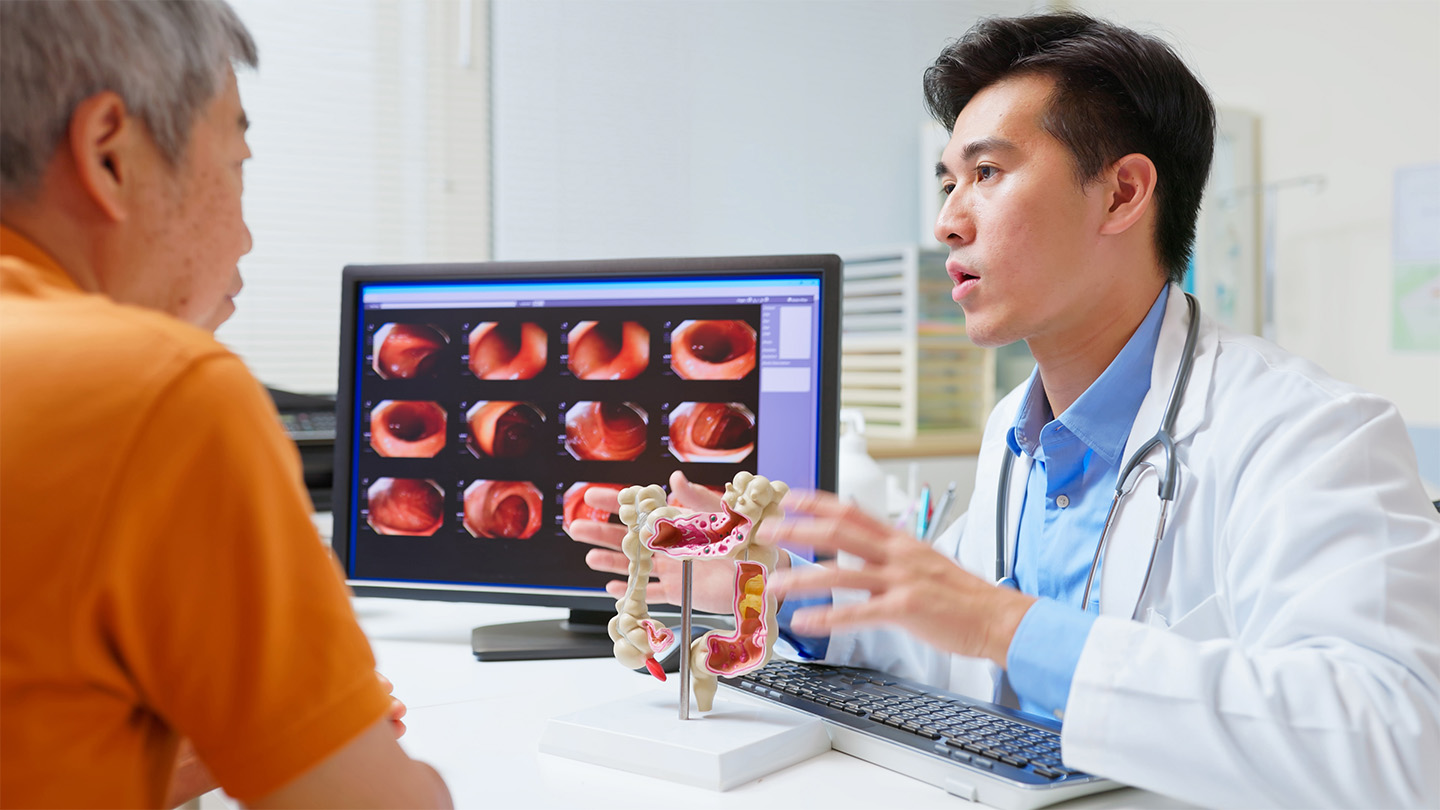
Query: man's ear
x=103, y=138
x=1130, y=191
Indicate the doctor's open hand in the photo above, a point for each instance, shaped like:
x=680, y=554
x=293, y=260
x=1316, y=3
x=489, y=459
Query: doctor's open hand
x=713, y=585
x=911, y=585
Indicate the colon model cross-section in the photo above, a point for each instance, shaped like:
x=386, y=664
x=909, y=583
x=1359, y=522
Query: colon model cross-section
x=652, y=528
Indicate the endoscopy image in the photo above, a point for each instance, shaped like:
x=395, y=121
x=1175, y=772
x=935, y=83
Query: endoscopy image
x=575, y=507
x=504, y=429
x=713, y=350
x=712, y=431
x=408, y=351
x=605, y=431
x=608, y=350
x=412, y=506
x=510, y=509
x=402, y=428
x=507, y=351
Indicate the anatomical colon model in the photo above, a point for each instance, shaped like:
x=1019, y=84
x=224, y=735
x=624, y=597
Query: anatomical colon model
x=653, y=527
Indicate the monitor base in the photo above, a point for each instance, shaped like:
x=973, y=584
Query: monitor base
x=582, y=635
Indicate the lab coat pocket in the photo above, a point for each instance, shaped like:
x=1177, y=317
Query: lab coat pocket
x=1203, y=622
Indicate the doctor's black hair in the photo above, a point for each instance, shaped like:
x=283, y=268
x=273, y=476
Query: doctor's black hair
x=1117, y=92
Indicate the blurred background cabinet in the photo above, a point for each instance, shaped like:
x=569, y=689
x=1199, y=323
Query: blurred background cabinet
x=906, y=363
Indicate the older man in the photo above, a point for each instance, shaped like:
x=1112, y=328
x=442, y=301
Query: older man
x=160, y=579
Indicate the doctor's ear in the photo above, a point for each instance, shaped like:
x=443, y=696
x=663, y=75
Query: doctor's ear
x=1129, y=189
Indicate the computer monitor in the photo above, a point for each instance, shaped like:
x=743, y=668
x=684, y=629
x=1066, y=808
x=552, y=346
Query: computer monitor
x=478, y=402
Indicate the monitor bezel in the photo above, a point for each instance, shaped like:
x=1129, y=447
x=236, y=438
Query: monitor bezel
x=828, y=267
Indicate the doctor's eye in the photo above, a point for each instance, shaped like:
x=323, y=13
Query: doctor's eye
x=946, y=187
x=984, y=172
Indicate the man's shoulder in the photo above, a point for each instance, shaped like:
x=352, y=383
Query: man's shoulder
x=1275, y=378
x=89, y=341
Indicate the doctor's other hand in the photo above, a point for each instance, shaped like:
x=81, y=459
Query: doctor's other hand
x=713, y=585
x=911, y=585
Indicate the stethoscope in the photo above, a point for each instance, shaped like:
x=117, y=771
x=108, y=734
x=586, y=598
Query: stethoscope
x=1163, y=438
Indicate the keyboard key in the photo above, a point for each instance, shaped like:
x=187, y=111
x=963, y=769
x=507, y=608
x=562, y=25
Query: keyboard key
x=1046, y=772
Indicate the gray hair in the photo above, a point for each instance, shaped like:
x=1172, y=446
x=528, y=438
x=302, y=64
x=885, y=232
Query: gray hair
x=166, y=58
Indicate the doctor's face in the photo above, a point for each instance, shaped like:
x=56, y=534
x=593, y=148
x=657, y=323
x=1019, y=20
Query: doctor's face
x=1019, y=226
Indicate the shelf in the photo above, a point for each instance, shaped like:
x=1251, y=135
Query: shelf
x=936, y=443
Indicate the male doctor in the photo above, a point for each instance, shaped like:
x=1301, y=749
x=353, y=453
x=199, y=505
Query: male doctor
x=1278, y=644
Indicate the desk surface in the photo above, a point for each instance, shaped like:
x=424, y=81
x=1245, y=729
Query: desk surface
x=479, y=724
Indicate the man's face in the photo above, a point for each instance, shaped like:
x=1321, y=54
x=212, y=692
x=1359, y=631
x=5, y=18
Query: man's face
x=1020, y=229
x=193, y=231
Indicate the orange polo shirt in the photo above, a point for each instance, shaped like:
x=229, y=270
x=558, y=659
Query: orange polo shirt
x=159, y=573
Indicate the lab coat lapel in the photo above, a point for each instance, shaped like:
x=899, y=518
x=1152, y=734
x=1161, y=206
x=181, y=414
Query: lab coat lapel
x=1132, y=539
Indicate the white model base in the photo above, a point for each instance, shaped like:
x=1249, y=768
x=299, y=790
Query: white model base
x=723, y=748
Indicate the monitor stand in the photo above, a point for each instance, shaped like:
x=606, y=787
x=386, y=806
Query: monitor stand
x=582, y=635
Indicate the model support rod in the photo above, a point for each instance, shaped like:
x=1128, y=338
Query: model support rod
x=684, y=640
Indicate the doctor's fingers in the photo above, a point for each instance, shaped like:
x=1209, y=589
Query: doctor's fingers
x=602, y=498
x=865, y=541
x=816, y=578
x=596, y=533
x=821, y=504
x=692, y=496
x=607, y=562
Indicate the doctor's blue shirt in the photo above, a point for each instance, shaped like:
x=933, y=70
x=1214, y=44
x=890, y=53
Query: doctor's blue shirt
x=1076, y=460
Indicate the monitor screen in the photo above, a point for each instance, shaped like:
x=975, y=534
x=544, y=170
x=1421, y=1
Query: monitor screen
x=477, y=404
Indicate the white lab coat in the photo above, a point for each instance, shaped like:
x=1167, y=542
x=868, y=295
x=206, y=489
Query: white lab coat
x=1287, y=650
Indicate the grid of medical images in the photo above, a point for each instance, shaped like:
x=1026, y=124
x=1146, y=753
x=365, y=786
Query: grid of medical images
x=489, y=426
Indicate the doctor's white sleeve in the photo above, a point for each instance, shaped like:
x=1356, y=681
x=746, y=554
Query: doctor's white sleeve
x=1323, y=685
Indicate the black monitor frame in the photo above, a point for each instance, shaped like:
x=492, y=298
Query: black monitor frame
x=576, y=638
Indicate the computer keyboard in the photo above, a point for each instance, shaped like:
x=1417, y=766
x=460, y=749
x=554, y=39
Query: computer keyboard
x=976, y=750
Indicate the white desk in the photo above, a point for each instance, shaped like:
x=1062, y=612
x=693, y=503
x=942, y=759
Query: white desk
x=479, y=725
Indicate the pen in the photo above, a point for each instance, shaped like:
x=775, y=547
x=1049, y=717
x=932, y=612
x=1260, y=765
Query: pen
x=937, y=523
x=922, y=518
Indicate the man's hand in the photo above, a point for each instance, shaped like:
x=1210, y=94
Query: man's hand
x=397, y=708
x=911, y=585
x=190, y=778
x=713, y=586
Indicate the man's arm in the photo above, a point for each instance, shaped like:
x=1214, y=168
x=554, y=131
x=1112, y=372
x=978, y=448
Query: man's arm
x=370, y=771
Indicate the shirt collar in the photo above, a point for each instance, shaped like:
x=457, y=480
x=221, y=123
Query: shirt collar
x=1104, y=414
x=14, y=244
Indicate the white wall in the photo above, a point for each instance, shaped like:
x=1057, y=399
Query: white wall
x=711, y=126
x=1349, y=91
